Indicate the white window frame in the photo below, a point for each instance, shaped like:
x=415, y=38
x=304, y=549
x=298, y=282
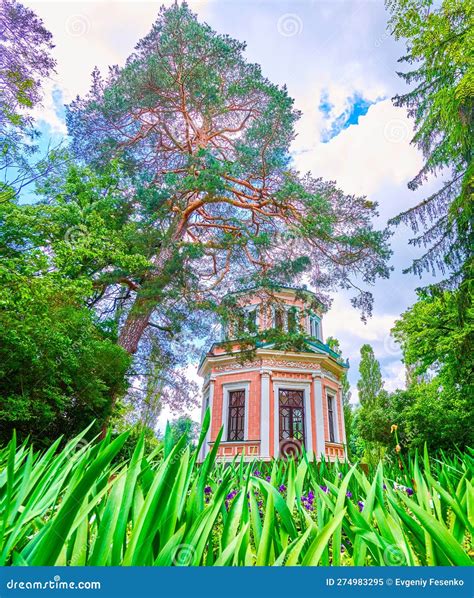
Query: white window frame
x=252, y=309
x=289, y=384
x=226, y=389
x=284, y=314
x=315, y=321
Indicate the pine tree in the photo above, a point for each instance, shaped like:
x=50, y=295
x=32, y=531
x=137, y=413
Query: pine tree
x=441, y=103
x=205, y=137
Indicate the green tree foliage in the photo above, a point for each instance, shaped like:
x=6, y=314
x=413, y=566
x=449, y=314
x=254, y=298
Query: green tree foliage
x=58, y=364
x=437, y=343
x=82, y=245
x=184, y=426
x=370, y=383
x=205, y=139
x=372, y=418
x=439, y=38
x=25, y=62
x=433, y=338
x=427, y=413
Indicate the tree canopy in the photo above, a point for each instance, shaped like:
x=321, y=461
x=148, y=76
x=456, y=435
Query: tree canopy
x=441, y=102
x=204, y=138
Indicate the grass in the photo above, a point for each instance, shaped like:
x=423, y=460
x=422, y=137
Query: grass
x=84, y=505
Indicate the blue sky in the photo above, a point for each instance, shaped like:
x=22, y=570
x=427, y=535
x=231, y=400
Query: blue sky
x=340, y=66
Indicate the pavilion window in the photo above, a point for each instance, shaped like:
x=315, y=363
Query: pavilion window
x=279, y=318
x=331, y=418
x=315, y=330
x=236, y=424
x=252, y=321
x=292, y=320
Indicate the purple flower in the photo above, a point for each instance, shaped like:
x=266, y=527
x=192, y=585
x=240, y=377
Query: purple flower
x=308, y=500
x=360, y=504
x=231, y=495
x=268, y=478
x=324, y=489
x=349, y=494
x=384, y=487
x=410, y=491
x=257, y=474
x=282, y=488
x=207, y=490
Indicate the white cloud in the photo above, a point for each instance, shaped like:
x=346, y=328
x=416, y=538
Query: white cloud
x=343, y=322
x=366, y=157
x=87, y=34
x=394, y=374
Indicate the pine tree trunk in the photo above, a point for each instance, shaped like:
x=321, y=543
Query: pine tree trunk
x=136, y=324
x=140, y=313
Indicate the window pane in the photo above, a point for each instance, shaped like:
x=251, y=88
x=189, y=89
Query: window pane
x=292, y=321
x=236, y=415
x=331, y=418
x=252, y=321
x=291, y=414
x=314, y=327
x=279, y=319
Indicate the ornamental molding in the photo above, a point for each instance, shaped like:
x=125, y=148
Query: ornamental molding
x=305, y=365
x=236, y=366
x=269, y=364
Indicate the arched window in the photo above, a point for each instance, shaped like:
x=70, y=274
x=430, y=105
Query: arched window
x=315, y=327
x=279, y=318
x=292, y=319
x=252, y=320
x=245, y=321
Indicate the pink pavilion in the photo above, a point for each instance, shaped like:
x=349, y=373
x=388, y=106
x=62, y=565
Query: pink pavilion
x=277, y=402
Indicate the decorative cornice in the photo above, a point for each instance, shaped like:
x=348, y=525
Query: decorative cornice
x=235, y=366
x=267, y=365
x=305, y=365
